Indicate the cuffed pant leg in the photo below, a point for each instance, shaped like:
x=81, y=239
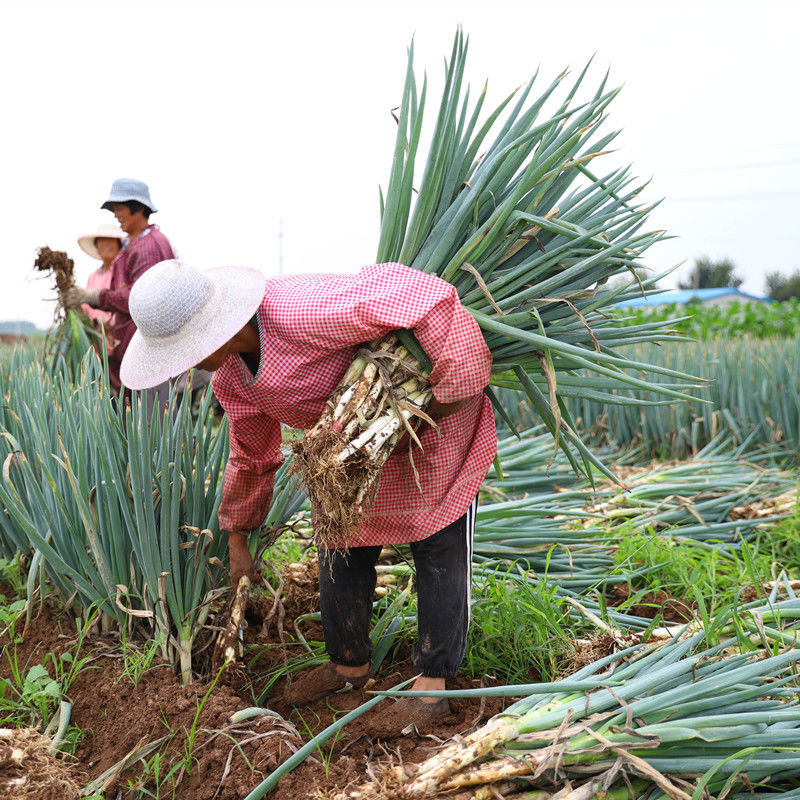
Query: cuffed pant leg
x=444, y=591
x=346, y=587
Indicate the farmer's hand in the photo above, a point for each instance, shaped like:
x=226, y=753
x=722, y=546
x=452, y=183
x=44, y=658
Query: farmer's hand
x=75, y=296
x=437, y=409
x=240, y=561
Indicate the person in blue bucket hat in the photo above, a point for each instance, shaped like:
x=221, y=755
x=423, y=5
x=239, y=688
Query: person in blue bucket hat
x=144, y=245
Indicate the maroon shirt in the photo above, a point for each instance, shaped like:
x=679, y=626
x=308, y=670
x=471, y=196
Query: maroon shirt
x=149, y=247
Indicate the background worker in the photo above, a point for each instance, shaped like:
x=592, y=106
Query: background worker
x=144, y=246
x=279, y=348
x=104, y=245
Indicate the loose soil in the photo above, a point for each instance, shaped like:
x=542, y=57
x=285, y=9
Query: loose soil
x=12, y=338
x=227, y=760
x=651, y=604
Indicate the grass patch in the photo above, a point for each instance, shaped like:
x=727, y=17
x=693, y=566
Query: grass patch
x=781, y=543
x=520, y=630
x=689, y=570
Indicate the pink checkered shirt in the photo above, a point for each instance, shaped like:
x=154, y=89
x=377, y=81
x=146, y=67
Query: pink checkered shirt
x=311, y=326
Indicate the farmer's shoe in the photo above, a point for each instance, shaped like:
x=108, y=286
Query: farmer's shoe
x=408, y=712
x=321, y=681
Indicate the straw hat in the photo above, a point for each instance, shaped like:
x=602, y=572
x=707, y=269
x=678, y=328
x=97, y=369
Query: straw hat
x=105, y=231
x=183, y=314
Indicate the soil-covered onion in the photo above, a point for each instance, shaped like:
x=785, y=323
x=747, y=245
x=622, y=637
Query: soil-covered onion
x=381, y=397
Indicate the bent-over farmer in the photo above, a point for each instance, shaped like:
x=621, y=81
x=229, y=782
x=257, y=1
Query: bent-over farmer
x=279, y=348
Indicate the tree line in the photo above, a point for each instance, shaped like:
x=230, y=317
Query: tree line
x=708, y=273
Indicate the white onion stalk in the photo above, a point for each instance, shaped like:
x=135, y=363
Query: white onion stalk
x=340, y=458
x=667, y=713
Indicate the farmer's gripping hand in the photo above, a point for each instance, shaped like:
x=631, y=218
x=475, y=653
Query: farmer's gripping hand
x=437, y=409
x=75, y=296
x=241, y=562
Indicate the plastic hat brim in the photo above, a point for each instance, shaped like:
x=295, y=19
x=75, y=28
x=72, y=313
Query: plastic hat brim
x=237, y=295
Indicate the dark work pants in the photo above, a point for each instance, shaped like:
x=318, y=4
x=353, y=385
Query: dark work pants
x=444, y=582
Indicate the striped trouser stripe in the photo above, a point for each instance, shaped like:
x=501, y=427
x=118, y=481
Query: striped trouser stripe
x=470, y=534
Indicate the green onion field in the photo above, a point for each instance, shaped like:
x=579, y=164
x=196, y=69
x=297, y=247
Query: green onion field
x=636, y=567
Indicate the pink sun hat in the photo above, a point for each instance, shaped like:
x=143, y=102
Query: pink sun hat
x=183, y=314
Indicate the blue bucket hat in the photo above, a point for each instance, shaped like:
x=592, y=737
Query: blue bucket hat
x=124, y=189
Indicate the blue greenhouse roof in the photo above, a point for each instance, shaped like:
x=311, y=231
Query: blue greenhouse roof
x=685, y=296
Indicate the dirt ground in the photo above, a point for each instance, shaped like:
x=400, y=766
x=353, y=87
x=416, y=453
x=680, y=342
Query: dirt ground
x=651, y=604
x=227, y=760
x=11, y=338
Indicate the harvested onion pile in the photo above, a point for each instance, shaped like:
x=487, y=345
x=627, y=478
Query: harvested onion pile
x=340, y=458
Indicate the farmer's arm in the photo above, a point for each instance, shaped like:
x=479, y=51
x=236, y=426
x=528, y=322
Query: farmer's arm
x=255, y=455
x=386, y=297
x=149, y=250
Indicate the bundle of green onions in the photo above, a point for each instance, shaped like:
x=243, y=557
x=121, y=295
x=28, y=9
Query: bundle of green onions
x=683, y=716
x=530, y=237
x=340, y=458
x=570, y=533
x=72, y=333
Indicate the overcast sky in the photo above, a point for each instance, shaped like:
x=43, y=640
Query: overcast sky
x=243, y=114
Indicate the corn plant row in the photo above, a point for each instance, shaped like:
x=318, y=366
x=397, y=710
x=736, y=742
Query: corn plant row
x=715, y=711
x=759, y=320
x=509, y=210
x=120, y=508
x=753, y=398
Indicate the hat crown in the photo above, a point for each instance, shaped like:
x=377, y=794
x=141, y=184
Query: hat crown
x=124, y=189
x=167, y=297
x=108, y=231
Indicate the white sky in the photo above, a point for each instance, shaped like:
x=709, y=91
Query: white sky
x=240, y=114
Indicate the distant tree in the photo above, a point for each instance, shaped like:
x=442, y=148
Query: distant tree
x=708, y=274
x=783, y=287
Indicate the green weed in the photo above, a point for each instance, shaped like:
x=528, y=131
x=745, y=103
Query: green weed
x=781, y=543
x=325, y=751
x=12, y=575
x=158, y=778
x=137, y=659
x=28, y=700
x=690, y=570
x=71, y=663
x=520, y=630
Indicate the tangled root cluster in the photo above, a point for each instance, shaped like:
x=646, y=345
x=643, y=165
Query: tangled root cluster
x=29, y=770
x=334, y=486
x=59, y=264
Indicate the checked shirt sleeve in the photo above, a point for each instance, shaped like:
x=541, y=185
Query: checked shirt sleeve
x=385, y=297
x=255, y=455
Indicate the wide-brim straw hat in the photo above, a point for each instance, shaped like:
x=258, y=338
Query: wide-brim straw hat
x=183, y=314
x=105, y=231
